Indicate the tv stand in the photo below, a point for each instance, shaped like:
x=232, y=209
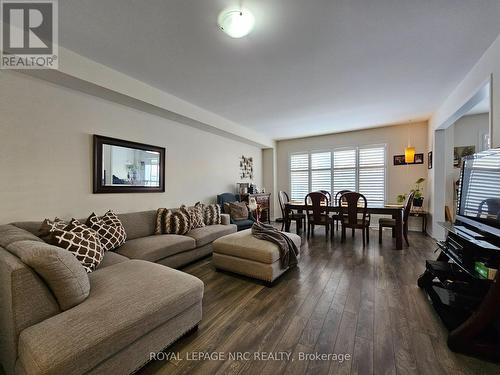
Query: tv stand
x=467, y=303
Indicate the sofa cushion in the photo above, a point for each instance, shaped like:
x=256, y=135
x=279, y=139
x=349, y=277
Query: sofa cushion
x=209, y=233
x=10, y=234
x=196, y=216
x=127, y=301
x=177, y=221
x=110, y=258
x=138, y=224
x=211, y=214
x=62, y=272
x=244, y=245
x=157, y=247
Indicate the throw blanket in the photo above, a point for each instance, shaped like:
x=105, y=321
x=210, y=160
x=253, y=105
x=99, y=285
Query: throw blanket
x=288, y=249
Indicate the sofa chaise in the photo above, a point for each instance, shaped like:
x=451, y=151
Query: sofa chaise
x=135, y=306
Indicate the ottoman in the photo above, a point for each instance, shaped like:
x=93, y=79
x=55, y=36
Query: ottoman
x=246, y=255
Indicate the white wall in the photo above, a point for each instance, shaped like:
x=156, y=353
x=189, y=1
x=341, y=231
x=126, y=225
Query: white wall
x=470, y=129
x=487, y=67
x=46, y=153
x=400, y=179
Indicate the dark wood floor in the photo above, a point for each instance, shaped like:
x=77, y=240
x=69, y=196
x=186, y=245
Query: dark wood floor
x=342, y=298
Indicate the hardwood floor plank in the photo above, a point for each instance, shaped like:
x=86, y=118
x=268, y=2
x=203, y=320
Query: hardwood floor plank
x=342, y=298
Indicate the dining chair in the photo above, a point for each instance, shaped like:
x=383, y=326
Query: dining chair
x=336, y=217
x=391, y=223
x=350, y=214
x=293, y=216
x=316, y=203
x=328, y=195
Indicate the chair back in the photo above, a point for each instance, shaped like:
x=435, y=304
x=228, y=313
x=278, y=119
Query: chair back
x=283, y=198
x=328, y=195
x=407, y=209
x=351, y=209
x=338, y=195
x=314, y=203
x=226, y=198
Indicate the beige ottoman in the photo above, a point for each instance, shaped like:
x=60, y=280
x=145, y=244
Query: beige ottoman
x=244, y=254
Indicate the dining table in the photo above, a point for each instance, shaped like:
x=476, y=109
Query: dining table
x=395, y=211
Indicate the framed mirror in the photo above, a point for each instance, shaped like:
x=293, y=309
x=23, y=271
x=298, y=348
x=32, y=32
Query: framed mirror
x=127, y=167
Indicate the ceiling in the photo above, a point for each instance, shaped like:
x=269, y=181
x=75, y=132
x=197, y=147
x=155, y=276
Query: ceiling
x=309, y=67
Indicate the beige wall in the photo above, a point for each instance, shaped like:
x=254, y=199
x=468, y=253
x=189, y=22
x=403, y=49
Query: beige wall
x=46, y=153
x=400, y=179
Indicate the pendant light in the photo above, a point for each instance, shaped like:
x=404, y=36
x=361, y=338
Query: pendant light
x=409, y=150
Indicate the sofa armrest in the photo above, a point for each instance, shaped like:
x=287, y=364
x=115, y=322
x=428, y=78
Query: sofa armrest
x=225, y=219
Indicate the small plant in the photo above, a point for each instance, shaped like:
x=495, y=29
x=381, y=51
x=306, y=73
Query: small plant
x=401, y=198
x=419, y=195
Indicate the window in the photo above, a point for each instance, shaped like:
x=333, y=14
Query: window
x=299, y=176
x=360, y=169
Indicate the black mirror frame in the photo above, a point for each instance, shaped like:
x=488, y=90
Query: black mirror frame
x=99, y=188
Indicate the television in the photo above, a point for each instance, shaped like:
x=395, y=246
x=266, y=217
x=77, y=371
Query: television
x=478, y=203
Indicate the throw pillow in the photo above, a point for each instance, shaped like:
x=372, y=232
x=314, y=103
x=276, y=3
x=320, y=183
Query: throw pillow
x=109, y=228
x=196, y=216
x=159, y=223
x=48, y=227
x=62, y=272
x=211, y=214
x=238, y=211
x=81, y=241
x=177, y=222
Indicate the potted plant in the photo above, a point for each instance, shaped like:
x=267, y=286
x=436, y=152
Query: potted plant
x=401, y=198
x=418, y=198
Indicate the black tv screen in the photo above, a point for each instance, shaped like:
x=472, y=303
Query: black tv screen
x=479, y=193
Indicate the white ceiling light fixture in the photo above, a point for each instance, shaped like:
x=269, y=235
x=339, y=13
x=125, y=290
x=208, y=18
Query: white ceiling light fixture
x=236, y=23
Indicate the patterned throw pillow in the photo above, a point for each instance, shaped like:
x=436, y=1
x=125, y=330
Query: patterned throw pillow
x=48, y=226
x=211, y=214
x=238, y=211
x=82, y=241
x=177, y=222
x=196, y=216
x=160, y=216
x=109, y=229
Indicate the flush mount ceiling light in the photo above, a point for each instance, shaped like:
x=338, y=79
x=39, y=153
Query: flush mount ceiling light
x=236, y=22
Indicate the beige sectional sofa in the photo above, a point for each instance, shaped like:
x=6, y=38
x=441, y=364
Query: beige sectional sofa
x=136, y=305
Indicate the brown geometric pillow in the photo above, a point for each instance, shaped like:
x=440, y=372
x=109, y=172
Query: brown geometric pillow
x=48, y=227
x=196, y=216
x=211, y=214
x=177, y=222
x=109, y=229
x=159, y=224
x=81, y=241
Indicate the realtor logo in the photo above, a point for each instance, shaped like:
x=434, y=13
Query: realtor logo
x=29, y=34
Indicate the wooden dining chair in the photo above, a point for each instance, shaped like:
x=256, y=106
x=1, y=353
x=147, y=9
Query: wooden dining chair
x=299, y=218
x=328, y=195
x=316, y=203
x=351, y=212
x=391, y=223
x=336, y=217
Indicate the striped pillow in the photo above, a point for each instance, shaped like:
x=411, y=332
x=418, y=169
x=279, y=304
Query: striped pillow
x=211, y=214
x=160, y=223
x=196, y=215
x=177, y=222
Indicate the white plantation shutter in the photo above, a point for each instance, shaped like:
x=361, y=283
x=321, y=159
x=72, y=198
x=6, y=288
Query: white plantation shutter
x=371, y=181
x=344, y=170
x=299, y=176
x=321, y=171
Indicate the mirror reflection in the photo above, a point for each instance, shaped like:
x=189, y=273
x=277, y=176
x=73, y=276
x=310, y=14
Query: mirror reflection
x=123, y=166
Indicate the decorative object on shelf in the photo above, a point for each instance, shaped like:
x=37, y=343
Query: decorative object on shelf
x=461, y=152
x=242, y=188
x=429, y=162
x=127, y=167
x=246, y=167
x=418, y=198
x=236, y=23
x=254, y=207
x=400, y=159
